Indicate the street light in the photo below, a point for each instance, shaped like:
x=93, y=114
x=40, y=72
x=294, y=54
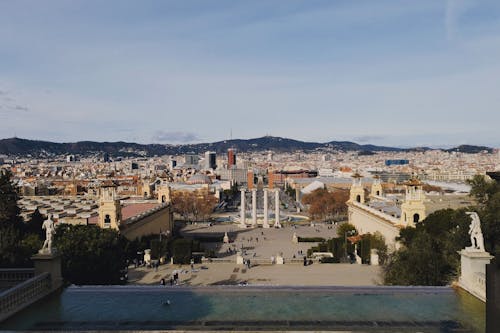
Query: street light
x=350, y=233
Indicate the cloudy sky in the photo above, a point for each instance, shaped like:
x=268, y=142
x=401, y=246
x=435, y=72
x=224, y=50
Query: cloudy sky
x=401, y=73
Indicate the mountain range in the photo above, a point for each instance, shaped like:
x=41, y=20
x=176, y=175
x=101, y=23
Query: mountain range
x=24, y=147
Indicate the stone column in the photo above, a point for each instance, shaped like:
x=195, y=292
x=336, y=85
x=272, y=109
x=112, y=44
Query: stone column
x=266, y=213
x=254, y=207
x=50, y=263
x=243, y=210
x=277, y=223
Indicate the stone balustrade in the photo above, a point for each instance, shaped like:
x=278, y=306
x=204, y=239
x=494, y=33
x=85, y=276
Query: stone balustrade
x=24, y=294
x=9, y=277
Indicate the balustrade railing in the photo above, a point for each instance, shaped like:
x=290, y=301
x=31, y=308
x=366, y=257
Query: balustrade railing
x=25, y=293
x=12, y=276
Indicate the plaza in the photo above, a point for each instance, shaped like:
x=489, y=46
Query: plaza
x=259, y=246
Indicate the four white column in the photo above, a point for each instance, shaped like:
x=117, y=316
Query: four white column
x=243, y=210
x=254, y=209
x=266, y=213
x=277, y=208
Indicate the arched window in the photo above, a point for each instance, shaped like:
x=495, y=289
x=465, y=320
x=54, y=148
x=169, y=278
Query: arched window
x=358, y=198
x=163, y=198
x=145, y=194
x=107, y=219
x=377, y=193
x=416, y=218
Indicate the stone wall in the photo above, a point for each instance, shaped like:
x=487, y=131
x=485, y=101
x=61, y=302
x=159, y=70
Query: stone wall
x=369, y=220
x=161, y=220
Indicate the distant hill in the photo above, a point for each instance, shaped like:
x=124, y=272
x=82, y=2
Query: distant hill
x=470, y=149
x=24, y=147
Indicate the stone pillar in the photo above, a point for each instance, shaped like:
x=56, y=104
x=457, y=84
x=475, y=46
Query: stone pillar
x=243, y=210
x=277, y=223
x=493, y=296
x=279, y=259
x=254, y=207
x=266, y=213
x=50, y=263
x=473, y=272
x=239, y=259
x=374, y=258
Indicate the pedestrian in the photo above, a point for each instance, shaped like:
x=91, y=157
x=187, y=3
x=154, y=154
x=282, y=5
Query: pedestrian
x=192, y=263
x=162, y=282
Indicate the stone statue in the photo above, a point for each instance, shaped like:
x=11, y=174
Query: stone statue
x=476, y=235
x=49, y=227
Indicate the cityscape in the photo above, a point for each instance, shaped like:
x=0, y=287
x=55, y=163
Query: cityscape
x=249, y=166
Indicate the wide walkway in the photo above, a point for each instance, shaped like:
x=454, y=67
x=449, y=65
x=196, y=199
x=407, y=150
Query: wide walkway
x=287, y=274
x=259, y=245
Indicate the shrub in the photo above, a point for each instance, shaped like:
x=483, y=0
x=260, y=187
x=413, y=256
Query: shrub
x=329, y=260
x=311, y=239
x=181, y=251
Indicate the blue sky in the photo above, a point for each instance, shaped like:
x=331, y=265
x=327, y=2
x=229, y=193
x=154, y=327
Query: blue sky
x=401, y=73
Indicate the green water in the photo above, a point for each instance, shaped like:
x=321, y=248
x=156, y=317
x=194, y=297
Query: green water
x=143, y=308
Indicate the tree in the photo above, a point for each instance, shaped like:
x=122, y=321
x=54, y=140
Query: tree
x=346, y=228
x=91, y=255
x=482, y=189
x=324, y=205
x=34, y=225
x=428, y=255
x=12, y=251
x=204, y=206
x=192, y=205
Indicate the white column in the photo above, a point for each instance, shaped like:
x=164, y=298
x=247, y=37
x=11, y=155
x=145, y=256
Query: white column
x=266, y=217
x=243, y=210
x=254, y=207
x=277, y=208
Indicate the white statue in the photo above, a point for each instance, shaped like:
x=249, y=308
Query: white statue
x=476, y=235
x=49, y=227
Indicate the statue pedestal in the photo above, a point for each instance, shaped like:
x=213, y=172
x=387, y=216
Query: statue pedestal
x=473, y=272
x=374, y=258
x=51, y=263
x=239, y=259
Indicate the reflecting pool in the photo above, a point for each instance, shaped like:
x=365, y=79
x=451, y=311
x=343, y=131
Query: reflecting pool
x=395, y=309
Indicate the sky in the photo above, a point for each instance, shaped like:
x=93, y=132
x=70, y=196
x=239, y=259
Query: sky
x=398, y=73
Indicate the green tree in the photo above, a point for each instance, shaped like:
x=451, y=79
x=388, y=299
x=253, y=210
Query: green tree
x=482, y=189
x=346, y=229
x=91, y=255
x=12, y=252
x=428, y=255
x=34, y=225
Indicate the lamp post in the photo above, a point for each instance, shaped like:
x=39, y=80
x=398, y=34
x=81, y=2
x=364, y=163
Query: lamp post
x=350, y=233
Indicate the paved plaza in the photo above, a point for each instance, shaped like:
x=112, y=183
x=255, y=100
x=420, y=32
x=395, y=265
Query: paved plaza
x=259, y=245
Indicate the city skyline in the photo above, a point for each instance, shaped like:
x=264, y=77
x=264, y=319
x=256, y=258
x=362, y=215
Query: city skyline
x=387, y=73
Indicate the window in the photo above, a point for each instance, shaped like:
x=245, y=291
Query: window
x=107, y=219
